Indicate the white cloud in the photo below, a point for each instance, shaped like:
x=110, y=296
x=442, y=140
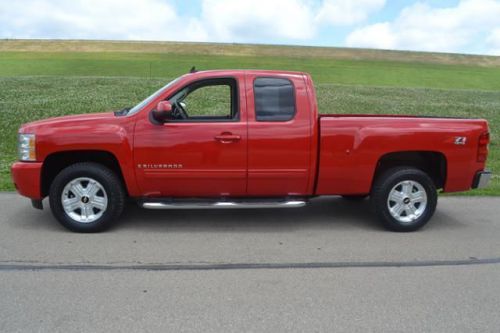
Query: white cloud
x=421, y=27
x=493, y=41
x=470, y=25
x=347, y=12
x=256, y=20
x=377, y=35
x=110, y=19
x=217, y=20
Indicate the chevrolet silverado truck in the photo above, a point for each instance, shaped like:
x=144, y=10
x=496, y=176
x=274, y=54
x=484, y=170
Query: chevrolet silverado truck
x=244, y=139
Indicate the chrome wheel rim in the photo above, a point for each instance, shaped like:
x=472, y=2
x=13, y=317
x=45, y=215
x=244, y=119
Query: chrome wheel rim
x=407, y=201
x=84, y=200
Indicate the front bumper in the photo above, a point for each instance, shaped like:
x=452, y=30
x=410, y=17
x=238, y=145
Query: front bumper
x=26, y=177
x=482, y=179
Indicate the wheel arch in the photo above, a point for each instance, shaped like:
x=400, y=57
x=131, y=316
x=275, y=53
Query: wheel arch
x=433, y=163
x=54, y=163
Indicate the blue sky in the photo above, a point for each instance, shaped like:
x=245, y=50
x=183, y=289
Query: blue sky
x=463, y=26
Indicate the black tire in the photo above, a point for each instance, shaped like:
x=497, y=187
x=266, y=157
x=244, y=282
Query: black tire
x=114, y=192
x=355, y=197
x=387, y=182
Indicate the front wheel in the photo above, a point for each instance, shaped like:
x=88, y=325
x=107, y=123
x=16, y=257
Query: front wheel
x=404, y=198
x=86, y=197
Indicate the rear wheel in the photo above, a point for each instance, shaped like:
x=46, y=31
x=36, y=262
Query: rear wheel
x=86, y=197
x=404, y=199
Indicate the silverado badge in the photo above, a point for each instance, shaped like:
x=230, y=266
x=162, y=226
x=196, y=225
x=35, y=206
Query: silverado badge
x=159, y=166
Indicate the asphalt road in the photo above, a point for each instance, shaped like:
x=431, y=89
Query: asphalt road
x=325, y=267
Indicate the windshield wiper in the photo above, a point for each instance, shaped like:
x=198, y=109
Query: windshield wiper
x=122, y=112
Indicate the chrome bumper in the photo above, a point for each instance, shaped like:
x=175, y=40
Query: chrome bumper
x=482, y=179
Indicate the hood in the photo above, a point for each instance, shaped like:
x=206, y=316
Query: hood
x=64, y=121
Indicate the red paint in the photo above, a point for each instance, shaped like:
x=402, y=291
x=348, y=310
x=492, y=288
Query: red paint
x=251, y=158
x=351, y=147
x=279, y=153
x=26, y=177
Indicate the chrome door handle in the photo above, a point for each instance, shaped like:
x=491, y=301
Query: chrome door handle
x=227, y=138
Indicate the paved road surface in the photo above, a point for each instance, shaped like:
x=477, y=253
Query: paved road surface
x=325, y=267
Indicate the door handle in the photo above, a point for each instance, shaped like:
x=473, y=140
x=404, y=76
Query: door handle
x=227, y=137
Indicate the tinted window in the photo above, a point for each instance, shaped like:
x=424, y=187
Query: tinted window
x=274, y=99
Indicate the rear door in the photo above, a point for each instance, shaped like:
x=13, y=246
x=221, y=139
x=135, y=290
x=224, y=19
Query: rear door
x=280, y=134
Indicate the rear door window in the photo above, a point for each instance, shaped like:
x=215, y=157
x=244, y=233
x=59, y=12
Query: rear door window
x=274, y=99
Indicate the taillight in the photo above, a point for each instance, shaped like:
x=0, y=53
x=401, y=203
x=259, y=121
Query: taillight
x=482, y=147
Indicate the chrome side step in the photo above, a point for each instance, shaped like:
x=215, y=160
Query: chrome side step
x=229, y=204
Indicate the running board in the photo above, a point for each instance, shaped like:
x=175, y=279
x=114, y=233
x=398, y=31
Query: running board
x=227, y=204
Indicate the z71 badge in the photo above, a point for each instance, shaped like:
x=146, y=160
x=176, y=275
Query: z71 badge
x=460, y=140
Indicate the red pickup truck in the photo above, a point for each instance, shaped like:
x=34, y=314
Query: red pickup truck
x=244, y=139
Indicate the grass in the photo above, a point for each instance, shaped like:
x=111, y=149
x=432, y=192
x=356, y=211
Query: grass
x=351, y=72
x=37, y=84
x=183, y=48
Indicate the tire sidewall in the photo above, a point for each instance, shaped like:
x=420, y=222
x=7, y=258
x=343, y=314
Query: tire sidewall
x=96, y=172
x=387, y=184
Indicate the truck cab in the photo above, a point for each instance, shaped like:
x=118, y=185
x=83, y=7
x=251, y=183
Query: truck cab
x=228, y=135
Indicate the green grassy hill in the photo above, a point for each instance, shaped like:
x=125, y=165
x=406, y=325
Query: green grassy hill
x=39, y=79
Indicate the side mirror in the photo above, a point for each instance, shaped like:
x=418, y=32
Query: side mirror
x=163, y=112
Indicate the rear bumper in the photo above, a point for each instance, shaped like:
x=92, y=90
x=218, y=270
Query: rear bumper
x=482, y=179
x=26, y=177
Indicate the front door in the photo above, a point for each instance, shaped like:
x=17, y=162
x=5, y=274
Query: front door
x=202, y=151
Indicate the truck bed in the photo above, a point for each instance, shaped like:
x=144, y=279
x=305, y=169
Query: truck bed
x=351, y=147
x=326, y=115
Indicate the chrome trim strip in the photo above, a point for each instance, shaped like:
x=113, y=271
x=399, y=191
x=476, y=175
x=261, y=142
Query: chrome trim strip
x=224, y=204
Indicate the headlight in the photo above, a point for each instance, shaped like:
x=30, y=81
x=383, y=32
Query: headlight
x=26, y=147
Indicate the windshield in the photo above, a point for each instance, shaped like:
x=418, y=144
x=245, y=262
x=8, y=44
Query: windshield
x=139, y=106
